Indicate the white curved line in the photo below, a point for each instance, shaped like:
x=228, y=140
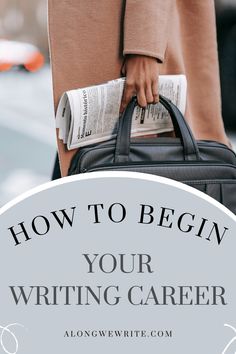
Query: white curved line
x=117, y=174
x=232, y=340
x=6, y=329
x=229, y=326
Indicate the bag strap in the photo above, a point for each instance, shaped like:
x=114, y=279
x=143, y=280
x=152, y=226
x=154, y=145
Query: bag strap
x=190, y=148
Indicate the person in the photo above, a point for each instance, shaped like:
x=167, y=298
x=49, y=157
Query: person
x=93, y=41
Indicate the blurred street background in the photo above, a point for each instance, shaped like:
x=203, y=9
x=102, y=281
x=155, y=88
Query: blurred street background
x=27, y=131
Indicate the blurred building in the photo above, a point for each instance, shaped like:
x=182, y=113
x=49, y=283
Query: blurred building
x=226, y=33
x=25, y=20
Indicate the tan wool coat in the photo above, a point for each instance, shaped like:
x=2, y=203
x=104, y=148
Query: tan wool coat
x=90, y=38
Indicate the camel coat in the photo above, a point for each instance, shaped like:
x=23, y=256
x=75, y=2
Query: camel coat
x=90, y=38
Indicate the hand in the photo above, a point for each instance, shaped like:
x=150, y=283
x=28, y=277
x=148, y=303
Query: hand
x=141, y=79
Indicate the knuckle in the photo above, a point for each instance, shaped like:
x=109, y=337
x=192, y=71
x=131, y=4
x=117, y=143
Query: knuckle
x=155, y=96
x=148, y=82
x=129, y=83
x=154, y=78
x=140, y=82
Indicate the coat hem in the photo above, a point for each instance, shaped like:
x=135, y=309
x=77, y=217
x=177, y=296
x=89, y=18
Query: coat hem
x=144, y=52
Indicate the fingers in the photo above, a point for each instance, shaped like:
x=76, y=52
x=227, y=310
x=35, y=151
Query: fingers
x=141, y=93
x=155, y=92
x=149, y=93
x=128, y=93
x=141, y=80
x=146, y=92
x=131, y=90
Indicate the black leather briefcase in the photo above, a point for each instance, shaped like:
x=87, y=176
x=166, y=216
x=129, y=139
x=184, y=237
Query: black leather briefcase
x=206, y=165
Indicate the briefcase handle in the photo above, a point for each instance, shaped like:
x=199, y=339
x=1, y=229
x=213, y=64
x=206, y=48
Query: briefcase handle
x=182, y=130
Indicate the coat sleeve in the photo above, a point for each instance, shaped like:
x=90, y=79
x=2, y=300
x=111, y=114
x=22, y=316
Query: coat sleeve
x=146, y=27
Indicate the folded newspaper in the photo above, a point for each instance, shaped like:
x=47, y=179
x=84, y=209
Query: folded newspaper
x=90, y=115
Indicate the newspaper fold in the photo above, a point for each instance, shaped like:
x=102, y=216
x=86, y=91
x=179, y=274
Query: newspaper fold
x=90, y=115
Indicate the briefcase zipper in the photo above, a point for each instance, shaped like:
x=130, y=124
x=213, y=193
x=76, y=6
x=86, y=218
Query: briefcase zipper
x=160, y=164
x=210, y=181
x=96, y=146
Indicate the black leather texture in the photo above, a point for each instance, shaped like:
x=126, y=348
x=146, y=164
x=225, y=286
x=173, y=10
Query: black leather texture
x=205, y=165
